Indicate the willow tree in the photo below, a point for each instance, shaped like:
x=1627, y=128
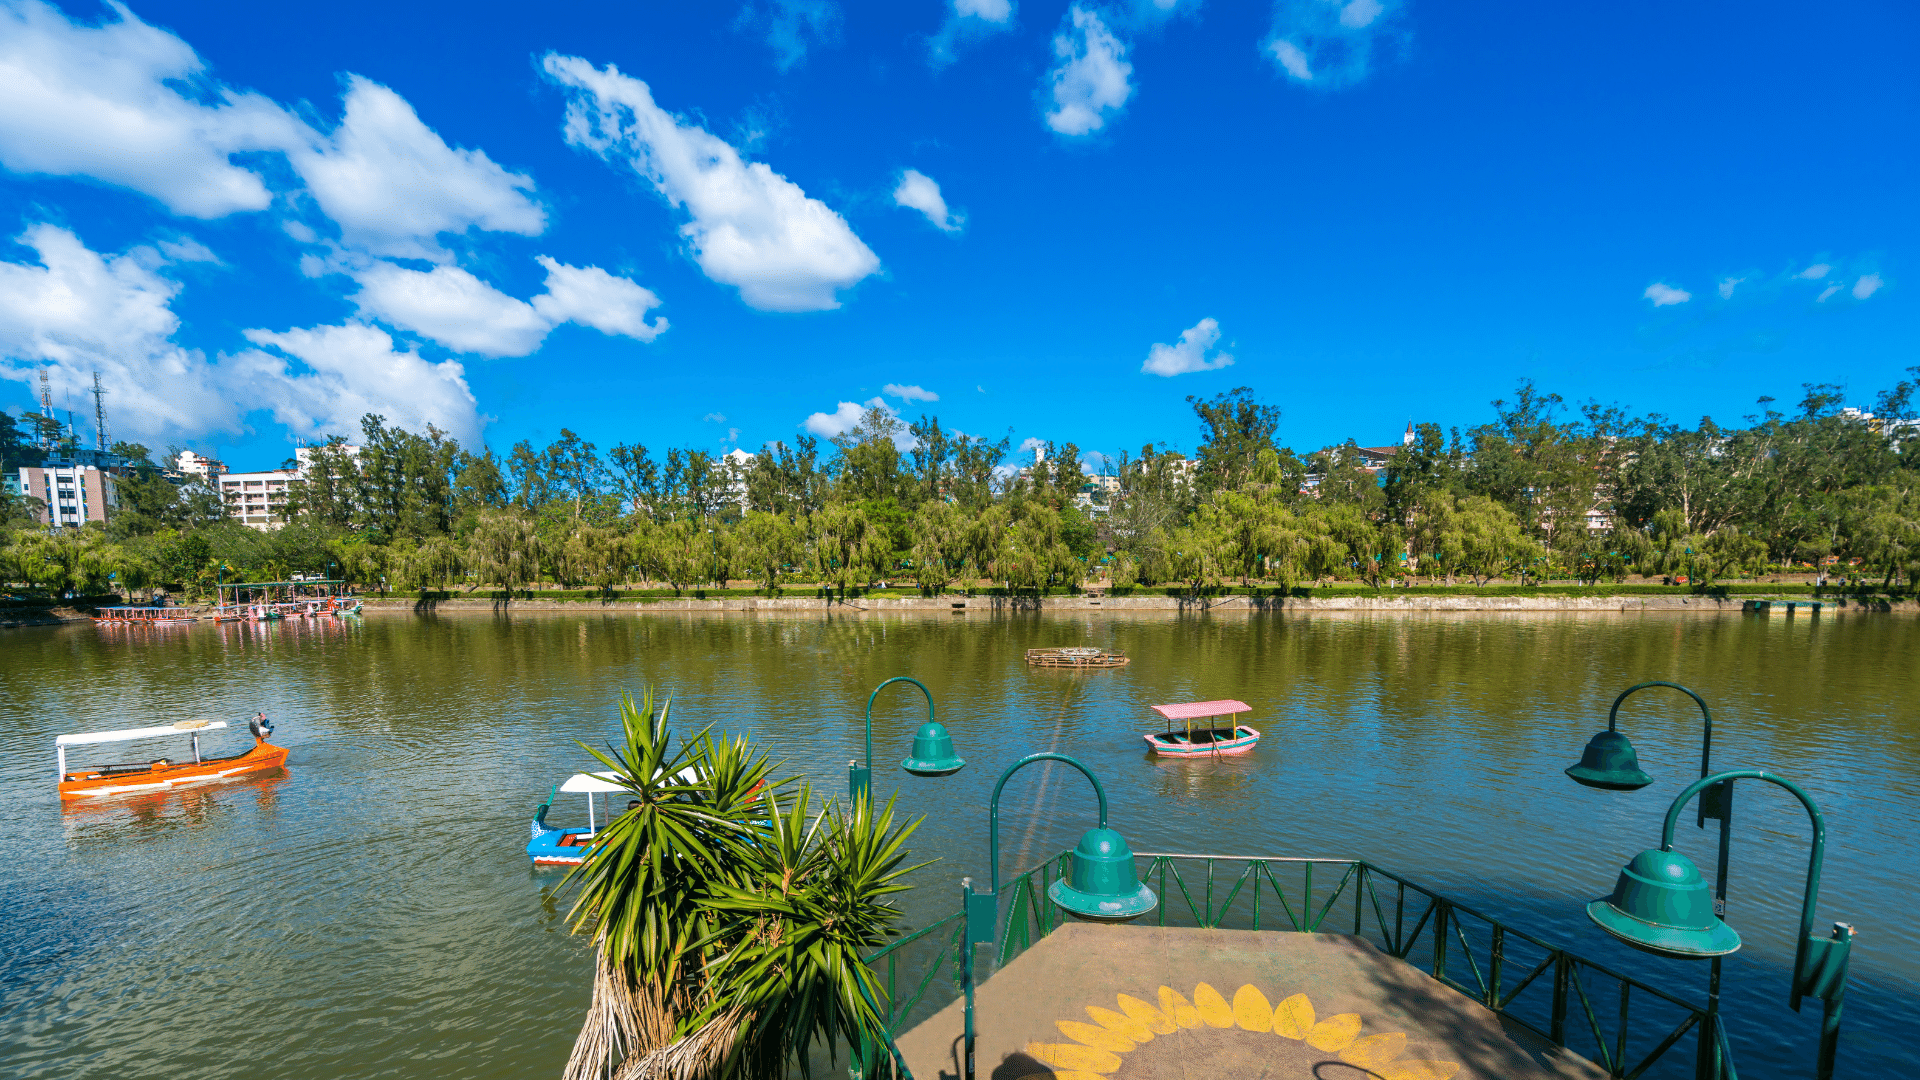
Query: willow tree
x=729, y=919
x=505, y=549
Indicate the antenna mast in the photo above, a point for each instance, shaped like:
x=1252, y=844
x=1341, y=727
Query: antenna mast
x=99, y=411
x=51, y=427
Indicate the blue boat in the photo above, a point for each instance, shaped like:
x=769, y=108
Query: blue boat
x=553, y=845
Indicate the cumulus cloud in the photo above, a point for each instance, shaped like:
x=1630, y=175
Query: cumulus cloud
x=1866, y=286
x=350, y=371
x=1727, y=285
x=81, y=312
x=1190, y=354
x=393, y=185
x=841, y=420
x=918, y=191
x=1826, y=294
x=968, y=22
x=130, y=105
x=1090, y=79
x=788, y=24
x=78, y=312
x=1330, y=43
x=1663, y=294
x=458, y=310
x=715, y=418
x=748, y=226
x=909, y=393
x=1816, y=271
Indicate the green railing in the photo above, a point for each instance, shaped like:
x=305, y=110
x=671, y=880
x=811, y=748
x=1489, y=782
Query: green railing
x=1620, y=1023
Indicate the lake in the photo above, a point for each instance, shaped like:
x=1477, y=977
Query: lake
x=370, y=912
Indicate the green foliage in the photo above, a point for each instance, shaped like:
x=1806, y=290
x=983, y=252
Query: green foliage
x=730, y=918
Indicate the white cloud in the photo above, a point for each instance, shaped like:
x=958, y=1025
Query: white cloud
x=1816, y=271
x=839, y=421
x=393, y=185
x=749, y=226
x=1727, y=285
x=918, y=191
x=909, y=393
x=1330, y=43
x=789, y=23
x=967, y=22
x=465, y=314
x=1291, y=58
x=1663, y=294
x=1190, y=354
x=1866, y=286
x=453, y=308
x=1089, y=80
x=1826, y=293
x=715, y=418
x=130, y=105
x=353, y=370
x=592, y=297
x=82, y=312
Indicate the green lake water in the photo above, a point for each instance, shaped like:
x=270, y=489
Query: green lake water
x=369, y=911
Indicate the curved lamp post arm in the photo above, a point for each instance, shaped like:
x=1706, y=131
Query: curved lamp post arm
x=859, y=777
x=1814, y=858
x=1706, y=741
x=876, y=694
x=993, y=806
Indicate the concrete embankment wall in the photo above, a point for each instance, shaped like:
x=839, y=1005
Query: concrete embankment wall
x=1122, y=604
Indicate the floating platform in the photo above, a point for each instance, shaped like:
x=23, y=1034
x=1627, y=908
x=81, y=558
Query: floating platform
x=1075, y=656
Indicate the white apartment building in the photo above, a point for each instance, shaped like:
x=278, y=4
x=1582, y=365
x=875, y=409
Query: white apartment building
x=205, y=468
x=73, y=494
x=259, y=499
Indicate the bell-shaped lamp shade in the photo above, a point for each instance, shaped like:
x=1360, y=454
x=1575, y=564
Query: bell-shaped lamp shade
x=1663, y=905
x=1102, y=886
x=933, y=752
x=1609, y=762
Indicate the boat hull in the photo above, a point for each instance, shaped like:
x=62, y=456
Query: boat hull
x=87, y=784
x=558, y=847
x=1207, y=742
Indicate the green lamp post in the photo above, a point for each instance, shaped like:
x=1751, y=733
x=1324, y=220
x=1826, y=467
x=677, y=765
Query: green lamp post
x=1101, y=885
x=932, y=747
x=1610, y=764
x=1661, y=905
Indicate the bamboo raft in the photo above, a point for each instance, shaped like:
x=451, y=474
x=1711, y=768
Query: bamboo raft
x=1075, y=656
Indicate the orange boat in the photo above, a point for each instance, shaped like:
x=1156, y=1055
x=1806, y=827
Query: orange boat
x=163, y=774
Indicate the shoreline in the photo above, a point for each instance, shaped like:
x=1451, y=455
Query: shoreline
x=1080, y=605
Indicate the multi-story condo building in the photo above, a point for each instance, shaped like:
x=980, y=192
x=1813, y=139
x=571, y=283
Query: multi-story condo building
x=73, y=494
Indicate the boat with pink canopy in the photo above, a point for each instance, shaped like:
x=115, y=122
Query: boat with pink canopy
x=1208, y=741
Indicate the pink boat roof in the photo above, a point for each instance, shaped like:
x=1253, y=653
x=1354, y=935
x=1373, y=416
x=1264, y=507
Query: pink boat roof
x=1194, y=710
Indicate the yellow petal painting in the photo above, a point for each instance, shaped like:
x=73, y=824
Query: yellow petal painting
x=1098, y=1050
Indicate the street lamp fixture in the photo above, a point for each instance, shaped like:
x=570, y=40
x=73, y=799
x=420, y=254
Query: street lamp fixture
x=1101, y=885
x=1660, y=905
x=932, y=747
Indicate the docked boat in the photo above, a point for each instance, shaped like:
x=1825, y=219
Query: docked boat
x=165, y=773
x=1207, y=741
x=556, y=846
x=135, y=615
x=1075, y=656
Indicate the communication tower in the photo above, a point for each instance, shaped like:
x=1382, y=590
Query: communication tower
x=99, y=411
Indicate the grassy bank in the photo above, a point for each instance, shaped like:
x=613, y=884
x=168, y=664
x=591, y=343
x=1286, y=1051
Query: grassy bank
x=1327, y=592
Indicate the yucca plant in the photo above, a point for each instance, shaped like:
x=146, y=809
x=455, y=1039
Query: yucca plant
x=728, y=919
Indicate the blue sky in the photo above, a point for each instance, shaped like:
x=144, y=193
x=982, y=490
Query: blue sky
x=720, y=225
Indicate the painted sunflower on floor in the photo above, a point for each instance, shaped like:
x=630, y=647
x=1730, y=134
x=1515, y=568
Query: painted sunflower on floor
x=1207, y=1036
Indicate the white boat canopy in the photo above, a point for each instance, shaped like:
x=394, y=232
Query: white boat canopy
x=593, y=783
x=183, y=727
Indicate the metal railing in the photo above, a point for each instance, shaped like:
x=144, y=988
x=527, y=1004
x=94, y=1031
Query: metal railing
x=1566, y=999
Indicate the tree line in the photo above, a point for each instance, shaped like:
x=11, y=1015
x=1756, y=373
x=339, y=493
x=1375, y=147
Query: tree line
x=1539, y=490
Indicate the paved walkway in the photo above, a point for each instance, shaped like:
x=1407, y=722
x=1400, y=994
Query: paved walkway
x=1091, y=1002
